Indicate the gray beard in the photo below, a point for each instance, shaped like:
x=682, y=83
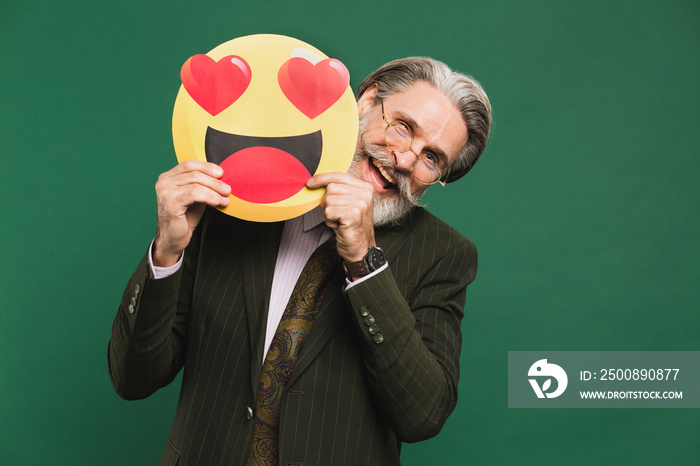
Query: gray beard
x=388, y=210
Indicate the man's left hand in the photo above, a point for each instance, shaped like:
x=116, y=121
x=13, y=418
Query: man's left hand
x=348, y=209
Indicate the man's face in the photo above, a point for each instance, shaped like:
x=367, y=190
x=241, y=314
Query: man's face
x=437, y=127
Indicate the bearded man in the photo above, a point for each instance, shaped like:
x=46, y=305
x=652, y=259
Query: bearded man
x=327, y=339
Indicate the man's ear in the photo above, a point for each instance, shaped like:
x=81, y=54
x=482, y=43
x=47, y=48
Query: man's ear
x=365, y=102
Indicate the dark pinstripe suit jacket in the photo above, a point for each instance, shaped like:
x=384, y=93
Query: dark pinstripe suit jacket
x=350, y=400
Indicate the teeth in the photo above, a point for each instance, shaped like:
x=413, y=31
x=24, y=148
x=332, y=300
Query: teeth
x=384, y=173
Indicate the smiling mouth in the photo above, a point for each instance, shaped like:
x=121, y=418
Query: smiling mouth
x=388, y=179
x=263, y=170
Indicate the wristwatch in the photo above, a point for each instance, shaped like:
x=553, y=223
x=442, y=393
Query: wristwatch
x=371, y=262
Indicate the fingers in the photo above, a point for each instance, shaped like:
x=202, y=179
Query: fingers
x=348, y=209
x=194, y=172
x=182, y=193
x=324, y=179
x=194, y=189
x=192, y=181
x=347, y=204
x=346, y=197
x=208, y=168
x=175, y=200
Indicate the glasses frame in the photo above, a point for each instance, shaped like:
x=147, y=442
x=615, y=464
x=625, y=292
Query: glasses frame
x=410, y=144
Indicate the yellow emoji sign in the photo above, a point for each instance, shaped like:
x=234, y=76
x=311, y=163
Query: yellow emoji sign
x=271, y=111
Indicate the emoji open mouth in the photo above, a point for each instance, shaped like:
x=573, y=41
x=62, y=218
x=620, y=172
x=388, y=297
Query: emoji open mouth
x=264, y=169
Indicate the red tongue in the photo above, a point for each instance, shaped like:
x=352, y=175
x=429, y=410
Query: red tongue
x=263, y=174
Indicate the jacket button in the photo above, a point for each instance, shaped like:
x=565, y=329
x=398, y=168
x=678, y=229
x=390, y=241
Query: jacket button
x=249, y=413
x=373, y=329
x=369, y=320
x=364, y=312
x=378, y=338
x=131, y=309
x=137, y=289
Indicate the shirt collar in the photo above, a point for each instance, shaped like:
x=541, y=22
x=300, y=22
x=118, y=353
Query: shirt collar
x=312, y=219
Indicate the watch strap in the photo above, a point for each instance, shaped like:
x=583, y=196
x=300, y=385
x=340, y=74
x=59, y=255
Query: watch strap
x=371, y=262
x=357, y=269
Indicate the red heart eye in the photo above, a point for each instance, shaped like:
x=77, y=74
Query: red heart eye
x=215, y=85
x=313, y=88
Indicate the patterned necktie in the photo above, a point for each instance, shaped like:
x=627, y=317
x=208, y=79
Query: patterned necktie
x=293, y=329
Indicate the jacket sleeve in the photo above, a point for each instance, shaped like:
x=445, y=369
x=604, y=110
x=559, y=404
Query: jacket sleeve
x=147, y=346
x=411, y=339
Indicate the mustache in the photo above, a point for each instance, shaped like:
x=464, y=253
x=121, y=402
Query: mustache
x=401, y=180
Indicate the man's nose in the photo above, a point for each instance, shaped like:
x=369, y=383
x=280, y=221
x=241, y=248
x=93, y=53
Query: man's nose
x=405, y=160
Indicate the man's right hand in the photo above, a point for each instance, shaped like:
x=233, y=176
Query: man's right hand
x=183, y=193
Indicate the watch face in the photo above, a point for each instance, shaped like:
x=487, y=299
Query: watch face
x=375, y=258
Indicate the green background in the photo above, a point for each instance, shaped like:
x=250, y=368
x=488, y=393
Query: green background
x=584, y=207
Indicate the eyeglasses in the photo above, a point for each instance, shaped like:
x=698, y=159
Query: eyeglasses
x=399, y=138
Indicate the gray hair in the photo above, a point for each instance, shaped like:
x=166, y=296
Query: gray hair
x=463, y=91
